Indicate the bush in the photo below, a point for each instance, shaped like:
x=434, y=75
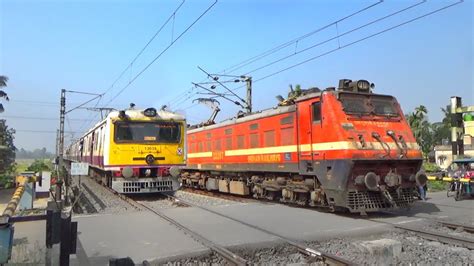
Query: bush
x=6, y=181
x=430, y=167
x=40, y=165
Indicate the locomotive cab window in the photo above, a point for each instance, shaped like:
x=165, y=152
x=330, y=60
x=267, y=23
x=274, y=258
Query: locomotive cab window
x=316, y=112
x=158, y=132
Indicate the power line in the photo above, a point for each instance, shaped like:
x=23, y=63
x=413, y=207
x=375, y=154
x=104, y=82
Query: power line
x=39, y=118
x=357, y=41
x=43, y=131
x=296, y=40
x=277, y=48
x=172, y=16
x=162, y=52
x=336, y=37
x=146, y=45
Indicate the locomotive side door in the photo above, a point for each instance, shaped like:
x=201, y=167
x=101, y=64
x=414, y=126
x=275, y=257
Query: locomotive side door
x=309, y=117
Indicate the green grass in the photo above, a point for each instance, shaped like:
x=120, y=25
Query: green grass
x=436, y=185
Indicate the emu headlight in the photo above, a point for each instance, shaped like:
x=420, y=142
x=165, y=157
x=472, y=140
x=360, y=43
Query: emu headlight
x=149, y=112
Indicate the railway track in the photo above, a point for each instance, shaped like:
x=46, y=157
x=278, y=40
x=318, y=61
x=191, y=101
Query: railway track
x=230, y=256
x=464, y=227
x=326, y=257
x=441, y=237
x=437, y=236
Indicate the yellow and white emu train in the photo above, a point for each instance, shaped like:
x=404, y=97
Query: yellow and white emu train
x=134, y=151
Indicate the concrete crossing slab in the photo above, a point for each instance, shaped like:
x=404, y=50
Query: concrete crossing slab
x=138, y=235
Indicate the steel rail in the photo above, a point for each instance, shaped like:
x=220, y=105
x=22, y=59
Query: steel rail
x=466, y=228
x=443, y=238
x=222, y=251
x=328, y=258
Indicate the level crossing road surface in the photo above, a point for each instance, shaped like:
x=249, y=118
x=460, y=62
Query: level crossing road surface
x=141, y=235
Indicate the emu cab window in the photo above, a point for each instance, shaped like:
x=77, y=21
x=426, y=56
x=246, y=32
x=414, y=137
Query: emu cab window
x=156, y=132
x=316, y=112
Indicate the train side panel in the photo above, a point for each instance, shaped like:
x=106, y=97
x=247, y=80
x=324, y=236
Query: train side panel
x=333, y=148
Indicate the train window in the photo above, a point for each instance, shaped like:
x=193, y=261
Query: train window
x=269, y=138
x=199, y=146
x=316, y=111
x=208, y=146
x=217, y=145
x=240, y=142
x=228, y=131
x=286, y=120
x=253, y=126
x=254, y=140
x=355, y=104
x=228, y=143
x=287, y=136
x=383, y=106
x=161, y=132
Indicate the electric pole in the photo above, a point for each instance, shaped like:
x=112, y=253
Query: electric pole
x=62, y=114
x=248, y=81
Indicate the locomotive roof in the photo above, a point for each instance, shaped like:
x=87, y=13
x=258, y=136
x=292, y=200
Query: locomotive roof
x=137, y=114
x=260, y=114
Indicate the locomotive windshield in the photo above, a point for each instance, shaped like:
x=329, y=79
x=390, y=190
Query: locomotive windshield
x=368, y=104
x=158, y=132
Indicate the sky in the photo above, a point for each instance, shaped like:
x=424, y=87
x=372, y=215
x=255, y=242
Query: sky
x=84, y=46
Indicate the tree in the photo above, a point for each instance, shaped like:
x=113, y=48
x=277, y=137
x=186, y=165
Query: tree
x=7, y=148
x=3, y=94
x=422, y=129
x=40, y=165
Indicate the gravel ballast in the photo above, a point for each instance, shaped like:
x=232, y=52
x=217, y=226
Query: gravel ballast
x=415, y=251
x=102, y=200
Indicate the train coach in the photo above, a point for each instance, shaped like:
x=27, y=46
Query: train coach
x=132, y=151
x=343, y=148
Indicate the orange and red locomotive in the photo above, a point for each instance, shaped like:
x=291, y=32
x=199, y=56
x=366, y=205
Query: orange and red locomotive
x=344, y=148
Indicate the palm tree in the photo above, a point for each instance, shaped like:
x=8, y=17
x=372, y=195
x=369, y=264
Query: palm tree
x=3, y=94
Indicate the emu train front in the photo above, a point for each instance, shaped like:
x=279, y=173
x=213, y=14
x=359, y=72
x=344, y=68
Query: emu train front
x=343, y=148
x=132, y=151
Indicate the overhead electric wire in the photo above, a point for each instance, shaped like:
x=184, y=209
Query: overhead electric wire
x=144, y=47
x=43, y=131
x=281, y=46
x=39, y=118
x=162, y=52
x=286, y=44
x=337, y=36
x=357, y=41
x=135, y=58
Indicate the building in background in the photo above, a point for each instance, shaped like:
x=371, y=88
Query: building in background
x=443, y=153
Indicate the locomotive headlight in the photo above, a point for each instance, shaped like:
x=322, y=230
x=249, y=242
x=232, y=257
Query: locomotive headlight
x=363, y=85
x=371, y=181
x=149, y=112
